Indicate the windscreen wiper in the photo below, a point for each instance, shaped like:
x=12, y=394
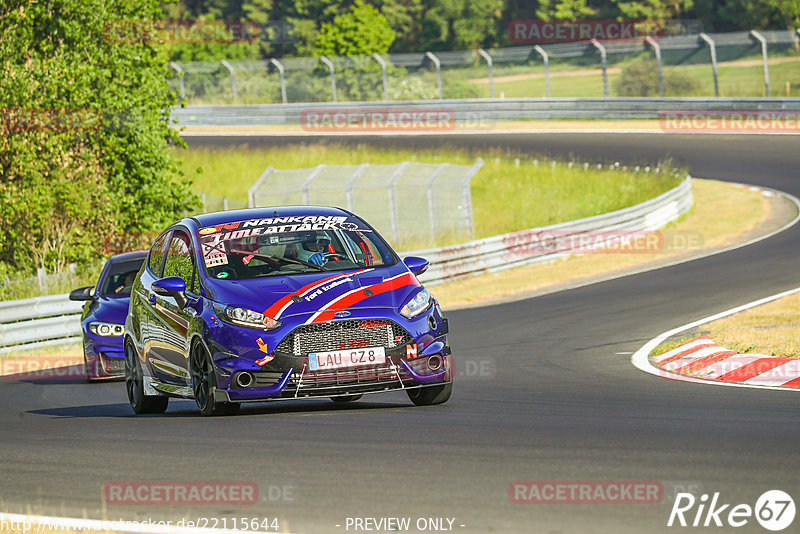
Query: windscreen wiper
x=274, y=258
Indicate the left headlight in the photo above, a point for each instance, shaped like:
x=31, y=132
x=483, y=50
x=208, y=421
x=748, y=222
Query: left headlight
x=106, y=329
x=244, y=317
x=417, y=305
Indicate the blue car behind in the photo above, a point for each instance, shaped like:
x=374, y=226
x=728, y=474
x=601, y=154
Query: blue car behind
x=281, y=303
x=103, y=318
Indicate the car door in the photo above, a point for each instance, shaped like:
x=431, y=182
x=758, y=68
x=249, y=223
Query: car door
x=142, y=304
x=170, y=355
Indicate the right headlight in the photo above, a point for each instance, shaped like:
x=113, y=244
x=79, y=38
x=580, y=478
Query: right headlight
x=244, y=317
x=420, y=303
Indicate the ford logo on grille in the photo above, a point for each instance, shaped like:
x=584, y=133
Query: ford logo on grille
x=342, y=314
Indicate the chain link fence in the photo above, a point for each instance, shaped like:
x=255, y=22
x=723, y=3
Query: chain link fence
x=575, y=69
x=406, y=201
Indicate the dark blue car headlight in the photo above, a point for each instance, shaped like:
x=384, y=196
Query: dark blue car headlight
x=106, y=329
x=245, y=317
x=420, y=303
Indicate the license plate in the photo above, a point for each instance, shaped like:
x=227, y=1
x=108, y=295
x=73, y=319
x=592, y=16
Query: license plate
x=338, y=359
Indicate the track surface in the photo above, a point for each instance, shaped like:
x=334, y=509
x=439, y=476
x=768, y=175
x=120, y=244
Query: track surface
x=560, y=403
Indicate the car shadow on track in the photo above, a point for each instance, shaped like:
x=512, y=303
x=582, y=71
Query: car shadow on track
x=186, y=408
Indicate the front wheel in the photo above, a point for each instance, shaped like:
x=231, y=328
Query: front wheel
x=134, y=384
x=428, y=396
x=204, y=384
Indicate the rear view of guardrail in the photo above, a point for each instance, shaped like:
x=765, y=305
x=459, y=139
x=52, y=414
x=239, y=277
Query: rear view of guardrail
x=38, y=322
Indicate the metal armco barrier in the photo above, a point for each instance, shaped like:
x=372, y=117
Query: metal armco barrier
x=55, y=319
x=39, y=321
x=511, y=250
x=480, y=113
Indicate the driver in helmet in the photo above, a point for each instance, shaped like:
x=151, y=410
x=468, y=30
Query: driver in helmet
x=312, y=249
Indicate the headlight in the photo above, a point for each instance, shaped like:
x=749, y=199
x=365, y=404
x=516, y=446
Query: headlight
x=106, y=329
x=417, y=305
x=245, y=317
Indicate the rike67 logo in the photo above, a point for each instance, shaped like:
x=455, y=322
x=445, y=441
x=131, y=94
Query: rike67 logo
x=774, y=510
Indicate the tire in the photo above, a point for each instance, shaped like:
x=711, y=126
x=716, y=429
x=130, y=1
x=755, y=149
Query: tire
x=204, y=383
x=346, y=398
x=430, y=395
x=134, y=385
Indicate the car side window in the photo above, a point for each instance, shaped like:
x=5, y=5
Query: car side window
x=179, y=258
x=156, y=258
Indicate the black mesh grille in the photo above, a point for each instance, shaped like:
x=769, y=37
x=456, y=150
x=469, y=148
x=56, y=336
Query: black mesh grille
x=338, y=335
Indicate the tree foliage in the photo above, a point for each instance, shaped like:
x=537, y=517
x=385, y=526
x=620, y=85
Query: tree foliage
x=84, y=151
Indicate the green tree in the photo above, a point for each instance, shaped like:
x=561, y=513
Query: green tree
x=361, y=30
x=564, y=10
x=85, y=142
x=657, y=10
x=461, y=24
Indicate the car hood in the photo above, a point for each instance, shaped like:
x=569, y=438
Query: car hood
x=310, y=292
x=111, y=309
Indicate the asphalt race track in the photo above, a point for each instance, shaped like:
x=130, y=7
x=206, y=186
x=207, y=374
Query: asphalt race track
x=542, y=394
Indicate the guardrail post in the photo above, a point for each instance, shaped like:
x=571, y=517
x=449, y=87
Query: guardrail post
x=546, y=59
x=602, y=50
x=763, y=41
x=279, y=66
x=485, y=55
x=712, y=47
x=432, y=198
x=329, y=64
x=233, y=77
x=179, y=70
x=225, y=203
x=382, y=63
x=251, y=193
x=351, y=201
x=438, y=66
x=393, y=200
x=204, y=201
x=657, y=48
x=306, y=187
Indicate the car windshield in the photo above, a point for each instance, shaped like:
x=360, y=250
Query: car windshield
x=290, y=245
x=119, y=277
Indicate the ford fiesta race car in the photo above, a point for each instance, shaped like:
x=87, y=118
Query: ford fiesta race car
x=291, y=302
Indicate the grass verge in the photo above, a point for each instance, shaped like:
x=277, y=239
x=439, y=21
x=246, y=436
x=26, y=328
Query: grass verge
x=722, y=214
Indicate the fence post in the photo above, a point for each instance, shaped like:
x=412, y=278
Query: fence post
x=203, y=200
x=712, y=47
x=329, y=64
x=41, y=274
x=251, y=193
x=432, y=198
x=179, y=70
x=393, y=200
x=279, y=66
x=602, y=50
x=233, y=77
x=546, y=59
x=485, y=55
x=307, y=184
x=225, y=203
x=763, y=41
x=466, y=203
x=657, y=48
x=382, y=63
x=348, y=188
x=438, y=66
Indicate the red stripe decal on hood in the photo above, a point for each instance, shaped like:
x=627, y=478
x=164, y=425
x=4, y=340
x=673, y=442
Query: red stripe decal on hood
x=355, y=296
x=277, y=309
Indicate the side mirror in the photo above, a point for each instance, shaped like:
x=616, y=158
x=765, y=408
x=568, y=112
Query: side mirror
x=82, y=293
x=172, y=286
x=416, y=264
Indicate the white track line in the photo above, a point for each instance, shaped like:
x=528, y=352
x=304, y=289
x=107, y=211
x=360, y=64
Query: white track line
x=468, y=132
x=641, y=361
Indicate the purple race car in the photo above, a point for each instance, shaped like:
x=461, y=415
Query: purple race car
x=104, y=314
x=281, y=303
